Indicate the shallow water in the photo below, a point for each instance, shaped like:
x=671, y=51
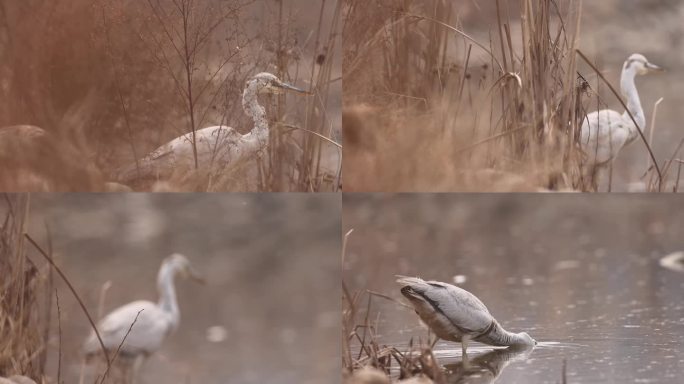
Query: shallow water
x=580, y=275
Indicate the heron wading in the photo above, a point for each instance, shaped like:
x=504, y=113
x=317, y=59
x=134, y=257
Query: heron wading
x=143, y=324
x=455, y=314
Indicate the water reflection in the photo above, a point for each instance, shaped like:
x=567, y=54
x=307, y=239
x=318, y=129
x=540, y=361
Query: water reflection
x=484, y=368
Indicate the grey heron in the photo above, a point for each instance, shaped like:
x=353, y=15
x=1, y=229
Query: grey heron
x=455, y=314
x=146, y=323
x=605, y=132
x=220, y=145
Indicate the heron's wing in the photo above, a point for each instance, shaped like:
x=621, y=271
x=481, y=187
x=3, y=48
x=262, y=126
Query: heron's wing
x=208, y=141
x=461, y=307
x=219, y=141
x=145, y=333
x=603, y=134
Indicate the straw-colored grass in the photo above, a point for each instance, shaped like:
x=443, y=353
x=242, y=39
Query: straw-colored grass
x=431, y=106
x=24, y=309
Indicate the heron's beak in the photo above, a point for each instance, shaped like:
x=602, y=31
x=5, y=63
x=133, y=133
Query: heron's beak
x=192, y=274
x=654, y=68
x=288, y=87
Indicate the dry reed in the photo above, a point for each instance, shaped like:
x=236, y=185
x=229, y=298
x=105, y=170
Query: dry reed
x=113, y=80
x=501, y=114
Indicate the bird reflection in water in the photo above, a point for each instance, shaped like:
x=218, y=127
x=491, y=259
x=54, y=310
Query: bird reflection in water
x=484, y=368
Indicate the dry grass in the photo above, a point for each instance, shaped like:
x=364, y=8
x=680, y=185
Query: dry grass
x=501, y=114
x=373, y=361
x=30, y=304
x=24, y=298
x=114, y=80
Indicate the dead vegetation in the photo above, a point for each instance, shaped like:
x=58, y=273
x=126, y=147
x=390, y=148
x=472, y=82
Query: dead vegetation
x=24, y=316
x=429, y=106
x=30, y=312
x=111, y=81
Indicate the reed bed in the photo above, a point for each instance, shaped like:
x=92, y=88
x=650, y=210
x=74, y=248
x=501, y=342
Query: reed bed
x=25, y=302
x=494, y=109
x=30, y=312
x=112, y=81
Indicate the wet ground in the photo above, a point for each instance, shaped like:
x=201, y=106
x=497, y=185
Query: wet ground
x=580, y=274
x=269, y=312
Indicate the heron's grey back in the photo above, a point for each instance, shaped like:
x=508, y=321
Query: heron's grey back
x=461, y=307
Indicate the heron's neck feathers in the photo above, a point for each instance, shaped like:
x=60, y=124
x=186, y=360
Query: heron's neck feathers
x=250, y=103
x=496, y=335
x=167, y=292
x=629, y=90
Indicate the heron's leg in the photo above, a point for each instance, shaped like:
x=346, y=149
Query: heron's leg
x=464, y=354
x=137, y=363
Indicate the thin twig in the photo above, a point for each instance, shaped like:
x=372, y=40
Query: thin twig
x=73, y=291
x=116, y=354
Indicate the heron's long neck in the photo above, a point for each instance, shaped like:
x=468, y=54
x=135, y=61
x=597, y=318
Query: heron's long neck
x=167, y=292
x=629, y=90
x=498, y=336
x=250, y=103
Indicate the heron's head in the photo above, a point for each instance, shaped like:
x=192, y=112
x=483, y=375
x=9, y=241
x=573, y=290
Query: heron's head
x=527, y=339
x=182, y=265
x=641, y=65
x=268, y=83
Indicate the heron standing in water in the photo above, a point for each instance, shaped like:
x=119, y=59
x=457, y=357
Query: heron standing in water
x=218, y=145
x=604, y=133
x=146, y=323
x=455, y=314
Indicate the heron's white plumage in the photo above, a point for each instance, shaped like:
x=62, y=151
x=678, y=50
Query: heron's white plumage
x=604, y=133
x=215, y=145
x=146, y=336
x=155, y=321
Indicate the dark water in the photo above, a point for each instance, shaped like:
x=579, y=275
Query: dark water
x=262, y=256
x=580, y=274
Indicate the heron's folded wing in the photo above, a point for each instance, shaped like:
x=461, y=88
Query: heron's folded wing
x=462, y=308
x=144, y=333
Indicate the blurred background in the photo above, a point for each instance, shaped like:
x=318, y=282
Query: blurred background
x=271, y=265
x=580, y=274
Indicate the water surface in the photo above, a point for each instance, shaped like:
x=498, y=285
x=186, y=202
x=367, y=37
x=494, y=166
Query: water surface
x=580, y=274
